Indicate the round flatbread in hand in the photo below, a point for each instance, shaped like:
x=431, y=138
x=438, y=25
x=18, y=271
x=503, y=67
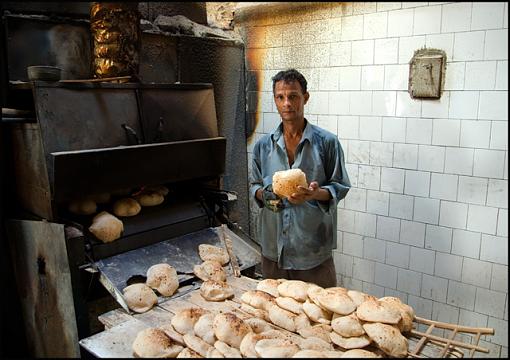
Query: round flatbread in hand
x=163, y=278
x=213, y=253
x=106, y=227
x=154, y=343
x=139, y=297
x=285, y=182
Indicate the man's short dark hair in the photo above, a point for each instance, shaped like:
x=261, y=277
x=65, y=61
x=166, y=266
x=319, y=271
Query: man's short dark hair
x=290, y=75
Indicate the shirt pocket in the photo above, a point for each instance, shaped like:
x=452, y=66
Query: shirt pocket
x=314, y=232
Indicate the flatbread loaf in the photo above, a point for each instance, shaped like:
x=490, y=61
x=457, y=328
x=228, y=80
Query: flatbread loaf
x=230, y=329
x=187, y=353
x=309, y=354
x=282, y=318
x=154, y=343
x=106, y=227
x=270, y=286
x=213, y=253
x=139, y=297
x=378, y=311
x=163, y=278
x=359, y=297
x=285, y=182
x=126, y=207
x=258, y=325
x=210, y=270
x=184, y=321
x=295, y=289
x=290, y=304
x=197, y=344
x=260, y=313
x=203, y=328
x=315, y=343
x=319, y=331
x=354, y=342
x=172, y=334
x=316, y=313
x=247, y=345
x=313, y=293
x=348, y=326
x=212, y=290
x=359, y=353
x=83, y=207
x=388, y=338
x=226, y=350
x=275, y=348
x=405, y=323
x=149, y=198
x=258, y=299
x=335, y=299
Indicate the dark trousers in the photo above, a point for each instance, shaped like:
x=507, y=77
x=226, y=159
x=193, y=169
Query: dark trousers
x=323, y=275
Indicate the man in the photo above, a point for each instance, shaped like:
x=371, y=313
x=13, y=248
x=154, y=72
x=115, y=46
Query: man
x=298, y=234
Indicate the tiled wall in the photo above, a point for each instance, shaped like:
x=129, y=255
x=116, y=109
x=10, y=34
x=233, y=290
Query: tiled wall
x=427, y=216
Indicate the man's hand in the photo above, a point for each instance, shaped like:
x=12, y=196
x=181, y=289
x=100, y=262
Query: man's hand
x=313, y=192
x=269, y=198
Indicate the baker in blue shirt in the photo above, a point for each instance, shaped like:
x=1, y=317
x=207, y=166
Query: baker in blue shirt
x=298, y=234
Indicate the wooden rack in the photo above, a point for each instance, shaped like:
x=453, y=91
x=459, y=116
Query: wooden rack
x=449, y=346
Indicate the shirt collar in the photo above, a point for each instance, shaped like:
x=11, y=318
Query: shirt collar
x=277, y=134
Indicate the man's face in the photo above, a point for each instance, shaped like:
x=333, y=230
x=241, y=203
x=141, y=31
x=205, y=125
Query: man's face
x=290, y=100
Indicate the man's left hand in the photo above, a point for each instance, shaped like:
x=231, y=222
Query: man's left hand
x=302, y=194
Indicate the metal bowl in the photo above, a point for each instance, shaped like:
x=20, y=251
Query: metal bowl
x=44, y=73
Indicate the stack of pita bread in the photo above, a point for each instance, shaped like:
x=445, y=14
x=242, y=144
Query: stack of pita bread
x=349, y=319
x=214, y=286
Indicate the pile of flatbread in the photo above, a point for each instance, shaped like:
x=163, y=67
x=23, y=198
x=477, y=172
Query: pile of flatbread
x=356, y=323
x=140, y=297
x=214, y=286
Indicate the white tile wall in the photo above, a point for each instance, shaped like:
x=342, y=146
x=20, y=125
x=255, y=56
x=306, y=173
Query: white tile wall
x=434, y=288
x=388, y=228
x=412, y=233
x=448, y=266
x=472, y=190
x=422, y=260
x=375, y=249
x=375, y=25
x=381, y=154
x=401, y=206
x=494, y=249
x=482, y=219
x=408, y=281
x=427, y=217
x=438, y=238
x=416, y=183
x=476, y=272
x=493, y=105
x=487, y=15
x=497, y=194
x=427, y=20
x=385, y=275
x=431, y=158
x=461, y=295
x=459, y=161
x=496, y=45
x=500, y=331
x=490, y=302
x=426, y=210
x=352, y=244
x=466, y=243
x=372, y=77
x=444, y=186
x=377, y=202
x=456, y=17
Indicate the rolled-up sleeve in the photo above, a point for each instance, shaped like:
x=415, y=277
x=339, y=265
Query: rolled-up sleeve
x=338, y=182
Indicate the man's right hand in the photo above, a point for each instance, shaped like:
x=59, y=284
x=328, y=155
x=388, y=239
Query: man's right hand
x=270, y=199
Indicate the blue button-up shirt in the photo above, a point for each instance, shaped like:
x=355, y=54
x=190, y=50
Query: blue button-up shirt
x=300, y=237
